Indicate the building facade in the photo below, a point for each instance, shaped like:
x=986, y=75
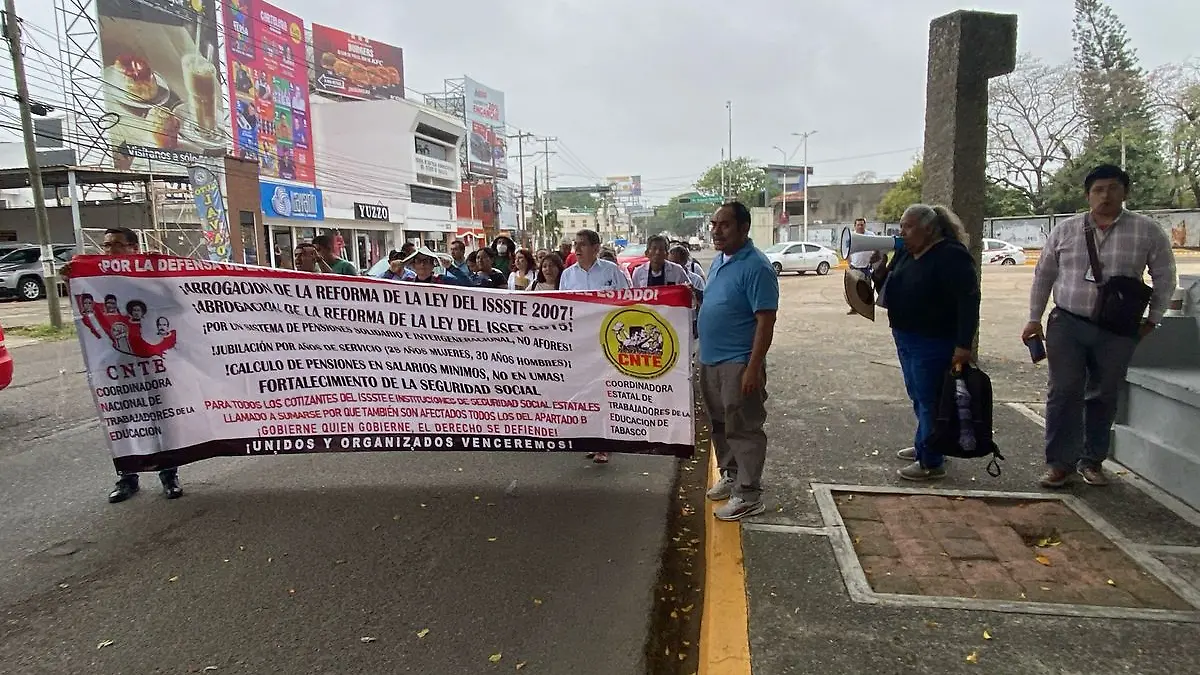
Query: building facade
x=386, y=173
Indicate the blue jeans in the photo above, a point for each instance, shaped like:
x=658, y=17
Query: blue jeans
x=924, y=362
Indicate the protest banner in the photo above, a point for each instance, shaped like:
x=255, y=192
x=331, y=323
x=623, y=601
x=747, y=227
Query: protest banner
x=190, y=359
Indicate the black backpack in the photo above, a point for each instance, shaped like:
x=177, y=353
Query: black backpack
x=945, y=437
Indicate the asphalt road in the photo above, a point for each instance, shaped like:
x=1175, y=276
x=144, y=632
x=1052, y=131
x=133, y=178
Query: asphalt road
x=315, y=564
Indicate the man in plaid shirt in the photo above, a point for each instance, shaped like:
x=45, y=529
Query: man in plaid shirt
x=1087, y=363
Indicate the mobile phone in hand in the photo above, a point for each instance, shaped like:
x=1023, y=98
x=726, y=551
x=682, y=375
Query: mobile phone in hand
x=1037, y=349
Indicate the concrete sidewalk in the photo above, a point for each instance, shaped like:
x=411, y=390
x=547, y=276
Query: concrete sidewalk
x=849, y=572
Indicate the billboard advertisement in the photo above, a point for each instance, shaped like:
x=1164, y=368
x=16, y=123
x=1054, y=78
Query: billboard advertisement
x=268, y=89
x=487, y=153
x=625, y=189
x=161, y=84
x=354, y=66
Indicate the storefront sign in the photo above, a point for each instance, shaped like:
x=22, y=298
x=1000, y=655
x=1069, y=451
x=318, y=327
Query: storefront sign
x=371, y=212
x=189, y=359
x=290, y=201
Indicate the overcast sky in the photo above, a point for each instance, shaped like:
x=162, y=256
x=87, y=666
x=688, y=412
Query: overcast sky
x=639, y=87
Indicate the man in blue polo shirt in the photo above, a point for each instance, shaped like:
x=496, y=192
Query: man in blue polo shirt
x=736, y=325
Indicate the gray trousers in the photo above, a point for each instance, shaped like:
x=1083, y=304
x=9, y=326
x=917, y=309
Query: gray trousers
x=737, y=426
x=1087, y=367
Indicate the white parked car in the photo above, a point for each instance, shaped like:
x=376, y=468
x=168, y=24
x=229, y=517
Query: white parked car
x=801, y=257
x=996, y=252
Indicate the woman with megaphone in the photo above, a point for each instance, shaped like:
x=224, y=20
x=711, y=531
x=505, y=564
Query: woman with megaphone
x=931, y=292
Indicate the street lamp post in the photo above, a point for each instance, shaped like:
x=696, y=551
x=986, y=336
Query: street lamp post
x=787, y=219
x=804, y=142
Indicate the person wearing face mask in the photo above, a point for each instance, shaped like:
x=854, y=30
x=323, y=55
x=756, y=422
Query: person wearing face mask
x=504, y=249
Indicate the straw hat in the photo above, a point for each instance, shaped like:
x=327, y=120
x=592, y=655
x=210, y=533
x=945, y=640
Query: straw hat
x=429, y=253
x=860, y=294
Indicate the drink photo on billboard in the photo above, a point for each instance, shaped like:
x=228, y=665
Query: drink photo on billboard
x=161, y=81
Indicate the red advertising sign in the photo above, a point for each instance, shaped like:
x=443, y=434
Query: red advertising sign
x=354, y=66
x=268, y=89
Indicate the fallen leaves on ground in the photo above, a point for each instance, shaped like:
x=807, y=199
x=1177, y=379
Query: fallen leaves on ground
x=491, y=538
x=932, y=624
x=973, y=657
x=423, y=632
x=520, y=665
x=173, y=579
x=495, y=658
x=537, y=601
x=365, y=639
x=986, y=634
x=1110, y=582
x=209, y=668
x=1042, y=560
x=105, y=643
x=1048, y=542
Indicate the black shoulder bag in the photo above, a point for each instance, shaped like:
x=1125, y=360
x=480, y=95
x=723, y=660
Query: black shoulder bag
x=1121, y=302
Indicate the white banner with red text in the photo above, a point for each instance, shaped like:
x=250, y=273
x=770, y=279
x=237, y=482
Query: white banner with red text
x=189, y=359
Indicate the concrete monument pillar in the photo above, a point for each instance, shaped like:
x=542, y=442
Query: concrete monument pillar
x=966, y=49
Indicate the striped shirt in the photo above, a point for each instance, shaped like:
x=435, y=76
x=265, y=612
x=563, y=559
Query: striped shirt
x=1133, y=243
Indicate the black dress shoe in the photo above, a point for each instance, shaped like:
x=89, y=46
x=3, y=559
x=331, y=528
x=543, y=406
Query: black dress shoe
x=171, y=489
x=125, y=488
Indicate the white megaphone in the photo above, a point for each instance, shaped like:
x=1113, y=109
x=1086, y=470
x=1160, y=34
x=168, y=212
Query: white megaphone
x=853, y=242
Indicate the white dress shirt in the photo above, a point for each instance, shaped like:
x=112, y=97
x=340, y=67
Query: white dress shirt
x=602, y=276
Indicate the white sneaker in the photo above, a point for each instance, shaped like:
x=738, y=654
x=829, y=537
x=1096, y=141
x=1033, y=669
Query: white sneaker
x=721, y=489
x=737, y=508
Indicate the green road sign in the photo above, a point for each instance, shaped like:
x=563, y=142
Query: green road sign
x=695, y=214
x=702, y=199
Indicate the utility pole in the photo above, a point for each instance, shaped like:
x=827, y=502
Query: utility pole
x=12, y=30
x=805, y=136
x=546, y=140
x=521, y=224
x=729, y=109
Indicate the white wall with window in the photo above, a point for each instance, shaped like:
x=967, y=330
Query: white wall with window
x=388, y=171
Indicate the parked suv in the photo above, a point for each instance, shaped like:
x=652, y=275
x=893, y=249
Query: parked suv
x=21, y=270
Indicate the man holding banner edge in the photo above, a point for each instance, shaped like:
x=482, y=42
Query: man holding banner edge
x=124, y=241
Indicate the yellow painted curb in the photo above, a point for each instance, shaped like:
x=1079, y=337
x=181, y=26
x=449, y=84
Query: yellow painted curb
x=725, y=623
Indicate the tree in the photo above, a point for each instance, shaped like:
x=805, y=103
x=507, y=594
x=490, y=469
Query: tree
x=1113, y=96
x=670, y=218
x=744, y=179
x=865, y=177
x=1035, y=125
x=1175, y=93
x=906, y=192
x=999, y=200
x=580, y=202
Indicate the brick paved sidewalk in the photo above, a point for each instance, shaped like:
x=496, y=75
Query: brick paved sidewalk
x=994, y=549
